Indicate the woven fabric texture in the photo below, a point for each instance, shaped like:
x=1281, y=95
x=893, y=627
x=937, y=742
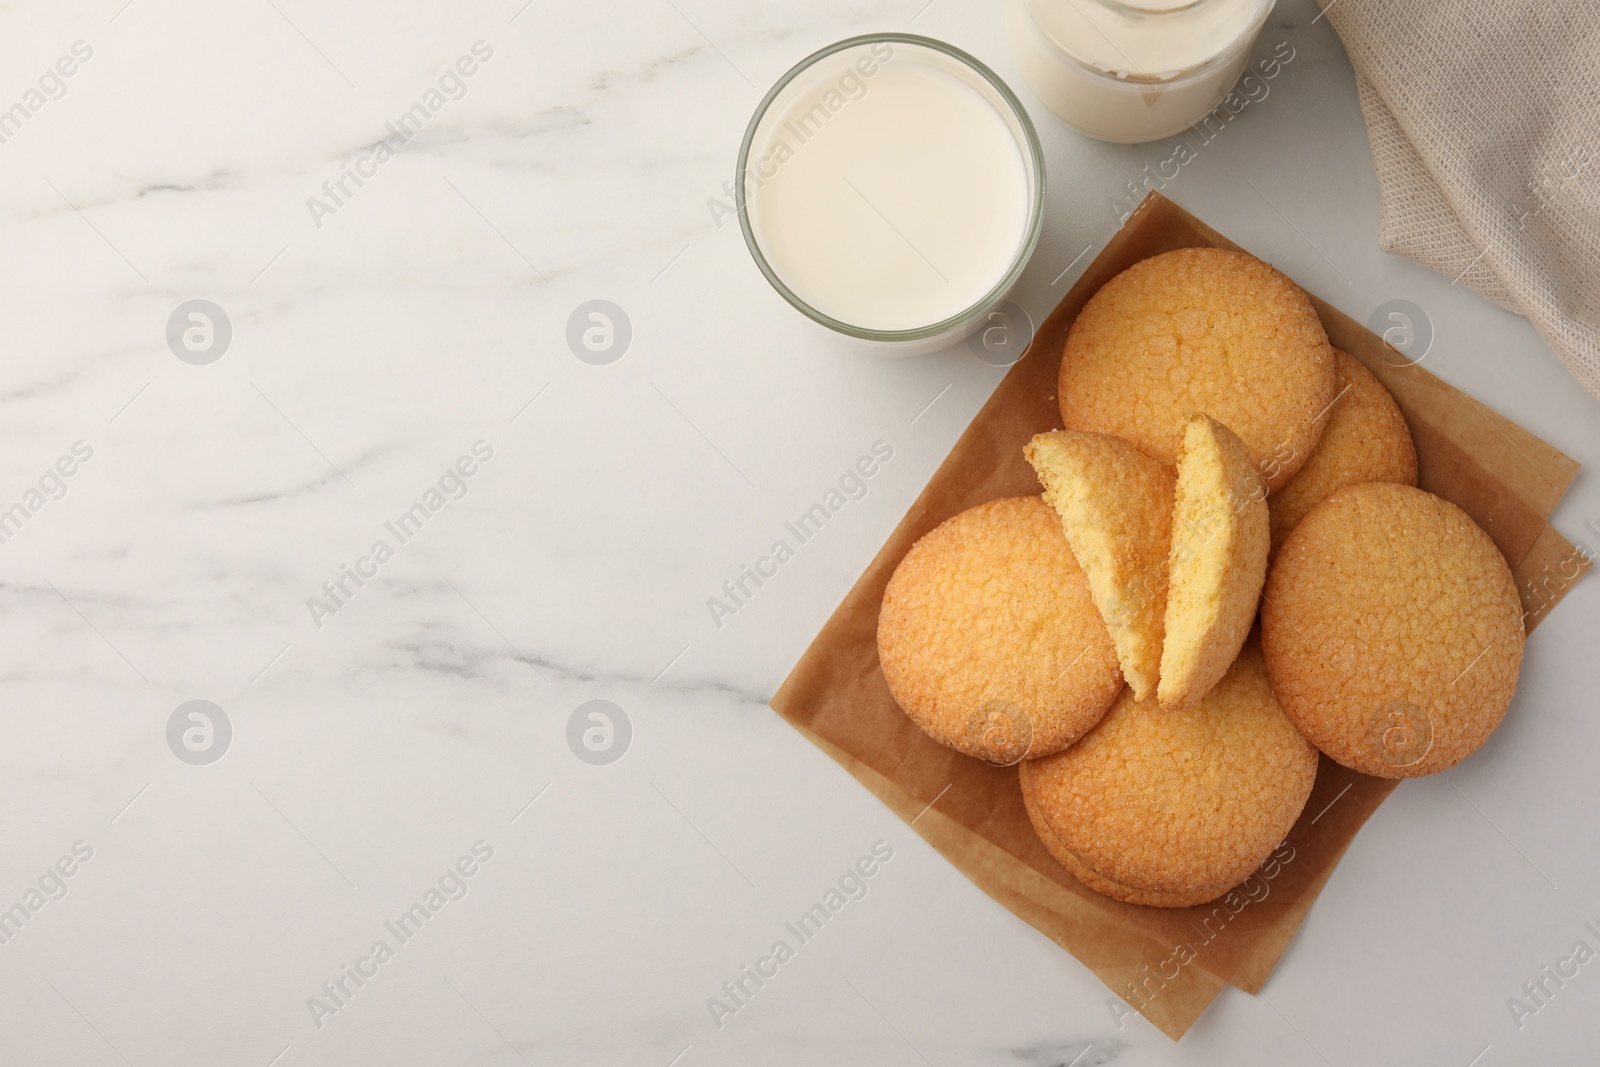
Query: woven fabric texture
x=1484, y=118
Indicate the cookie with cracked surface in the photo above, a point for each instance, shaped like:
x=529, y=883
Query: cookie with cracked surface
x=989, y=638
x=1201, y=329
x=1174, y=808
x=1392, y=630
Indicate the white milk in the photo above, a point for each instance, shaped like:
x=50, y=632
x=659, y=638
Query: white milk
x=888, y=187
x=1133, y=70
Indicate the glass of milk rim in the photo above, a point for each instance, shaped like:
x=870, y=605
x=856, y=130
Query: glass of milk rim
x=1132, y=71
x=891, y=188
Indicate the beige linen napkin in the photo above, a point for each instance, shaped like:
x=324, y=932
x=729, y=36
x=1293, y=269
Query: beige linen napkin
x=1484, y=117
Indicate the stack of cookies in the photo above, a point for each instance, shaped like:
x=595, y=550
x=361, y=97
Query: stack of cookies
x=1230, y=569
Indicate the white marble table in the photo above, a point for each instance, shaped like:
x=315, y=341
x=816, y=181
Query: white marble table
x=422, y=713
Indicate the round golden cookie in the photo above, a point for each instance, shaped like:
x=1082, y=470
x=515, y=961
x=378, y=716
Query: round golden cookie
x=1366, y=440
x=989, y=638
x=1201, y=329
x=1179, y=805
x=1392, y=630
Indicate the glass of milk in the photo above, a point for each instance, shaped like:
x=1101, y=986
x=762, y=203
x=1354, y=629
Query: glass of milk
x=1133, y=70
x=891, y=187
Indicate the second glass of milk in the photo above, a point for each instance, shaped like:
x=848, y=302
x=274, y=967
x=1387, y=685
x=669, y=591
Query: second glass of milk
x=1133, y=70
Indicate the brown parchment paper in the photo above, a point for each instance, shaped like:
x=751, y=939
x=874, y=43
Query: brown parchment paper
x=1166, y=963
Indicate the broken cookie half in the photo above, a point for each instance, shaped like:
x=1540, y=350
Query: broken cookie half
x=1116, y=508
x=1218, y=562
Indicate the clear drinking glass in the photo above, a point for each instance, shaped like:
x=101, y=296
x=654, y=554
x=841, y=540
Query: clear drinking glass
x=818, y=70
